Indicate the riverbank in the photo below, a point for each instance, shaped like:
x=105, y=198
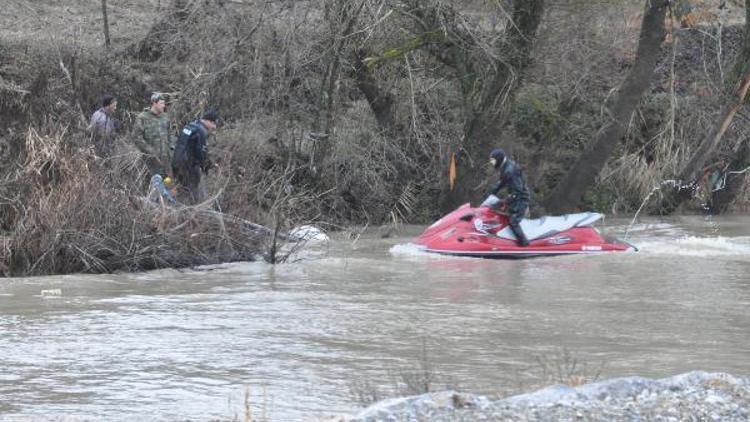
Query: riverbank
x=690, y=396
x=330, y=129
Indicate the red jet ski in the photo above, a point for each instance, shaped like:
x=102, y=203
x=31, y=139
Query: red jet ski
x=484, y=232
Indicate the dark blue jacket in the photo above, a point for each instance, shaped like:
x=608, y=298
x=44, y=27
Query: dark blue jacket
x=191, y=148
x=512, y=177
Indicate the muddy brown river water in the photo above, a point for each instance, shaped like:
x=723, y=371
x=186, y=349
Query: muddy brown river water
x=300, y=339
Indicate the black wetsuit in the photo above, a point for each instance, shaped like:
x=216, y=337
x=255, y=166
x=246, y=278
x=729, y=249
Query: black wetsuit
x=512, y=177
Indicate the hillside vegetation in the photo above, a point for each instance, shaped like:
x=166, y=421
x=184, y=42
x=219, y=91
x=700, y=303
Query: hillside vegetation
x=347, y=112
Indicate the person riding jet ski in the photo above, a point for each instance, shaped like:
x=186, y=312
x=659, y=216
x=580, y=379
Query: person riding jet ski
x=511, y=176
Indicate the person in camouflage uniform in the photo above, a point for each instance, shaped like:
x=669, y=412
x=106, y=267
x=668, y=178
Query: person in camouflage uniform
x=152, y=137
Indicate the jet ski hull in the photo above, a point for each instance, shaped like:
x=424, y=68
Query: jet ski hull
x=483, y=233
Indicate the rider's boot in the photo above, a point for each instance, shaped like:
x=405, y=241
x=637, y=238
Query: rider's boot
x=522, y=240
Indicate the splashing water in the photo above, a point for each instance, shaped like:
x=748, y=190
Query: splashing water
x=680, y=185
x=675, y=184
x=698, y=246
x=412, y=251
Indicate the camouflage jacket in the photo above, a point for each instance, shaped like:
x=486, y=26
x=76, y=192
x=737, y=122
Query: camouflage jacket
x=152, y=135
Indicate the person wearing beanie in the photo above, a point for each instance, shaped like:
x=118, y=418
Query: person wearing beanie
x=102, y=127
x=190, y=159
x=511, y=176
x=151, y=133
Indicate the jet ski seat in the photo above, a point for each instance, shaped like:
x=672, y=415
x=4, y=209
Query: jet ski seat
x=540, y=228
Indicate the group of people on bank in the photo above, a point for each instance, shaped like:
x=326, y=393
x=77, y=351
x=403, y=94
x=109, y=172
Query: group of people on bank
x=184, y=156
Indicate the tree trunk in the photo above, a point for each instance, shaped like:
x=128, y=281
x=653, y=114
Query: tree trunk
x=583, y=174
x=106, y=24
x=381, y=102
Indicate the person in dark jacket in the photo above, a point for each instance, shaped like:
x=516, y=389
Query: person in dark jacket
x=511, y=177
x=191, y=158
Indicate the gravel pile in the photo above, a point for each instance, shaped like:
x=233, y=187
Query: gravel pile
x=689, y=397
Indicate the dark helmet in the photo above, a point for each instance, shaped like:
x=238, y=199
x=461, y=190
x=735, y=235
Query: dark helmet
x=499, y=156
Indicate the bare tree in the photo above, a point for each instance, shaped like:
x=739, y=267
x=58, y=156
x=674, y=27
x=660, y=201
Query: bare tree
x=694, y=168
x=486, y=109
x=342, y=16
x=487, y=69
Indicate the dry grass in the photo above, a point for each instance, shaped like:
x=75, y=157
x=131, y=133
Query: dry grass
x=564, y=366
x=74, y=212
x=561, y=366
x=420, y=379
x=76, y=21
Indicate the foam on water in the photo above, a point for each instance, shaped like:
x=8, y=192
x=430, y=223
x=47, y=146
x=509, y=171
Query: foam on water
x=309, y=234
x=410, y=250
x=656, y=228
x=697, y=246
x=257, y=266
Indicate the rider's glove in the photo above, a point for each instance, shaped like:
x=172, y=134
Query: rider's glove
x=491, y=201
